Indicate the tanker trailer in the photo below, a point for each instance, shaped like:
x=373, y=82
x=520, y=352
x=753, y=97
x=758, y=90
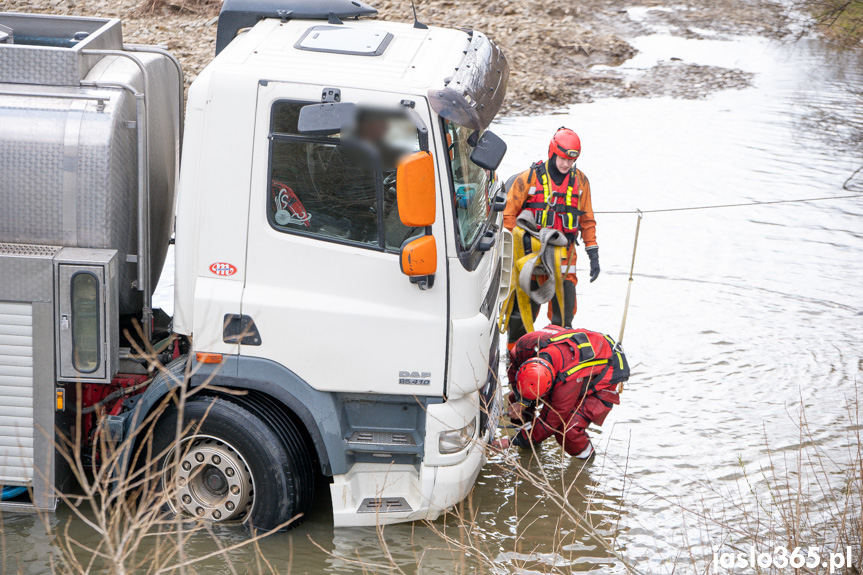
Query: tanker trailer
x=89, y=141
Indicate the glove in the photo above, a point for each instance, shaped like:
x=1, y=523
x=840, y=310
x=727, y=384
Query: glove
x=521, y=440
x=517, y=410
x=500, y=444
x=593, y=254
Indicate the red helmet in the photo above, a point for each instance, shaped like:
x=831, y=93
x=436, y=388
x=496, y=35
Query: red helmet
x=565, y=143
x=534, y=378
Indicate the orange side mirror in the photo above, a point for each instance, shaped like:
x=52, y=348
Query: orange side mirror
x=415, y=189
x=419, y=257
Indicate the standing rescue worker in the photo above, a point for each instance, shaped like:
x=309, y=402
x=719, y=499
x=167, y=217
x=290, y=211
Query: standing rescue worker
x=575, y=374
x=557, y=196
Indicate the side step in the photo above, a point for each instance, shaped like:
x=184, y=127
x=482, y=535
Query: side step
x=384, y=505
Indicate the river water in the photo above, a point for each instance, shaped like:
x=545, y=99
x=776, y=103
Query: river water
x=739, y=319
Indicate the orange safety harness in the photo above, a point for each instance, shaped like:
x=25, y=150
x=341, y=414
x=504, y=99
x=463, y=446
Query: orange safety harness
x=554, y=206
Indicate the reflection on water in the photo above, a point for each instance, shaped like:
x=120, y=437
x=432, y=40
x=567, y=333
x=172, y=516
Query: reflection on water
x=739, y=318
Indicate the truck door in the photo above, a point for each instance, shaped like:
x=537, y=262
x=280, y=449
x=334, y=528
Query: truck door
x=324, y=284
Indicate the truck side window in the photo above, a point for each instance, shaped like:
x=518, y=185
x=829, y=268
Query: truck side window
x=318, y=186
x=324, y=189
x=339, y=187
x=471, y=184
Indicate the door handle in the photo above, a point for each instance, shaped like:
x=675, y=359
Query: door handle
x=499, y=201
x=487, y=241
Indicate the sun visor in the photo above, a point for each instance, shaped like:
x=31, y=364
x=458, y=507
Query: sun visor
x=473, y=95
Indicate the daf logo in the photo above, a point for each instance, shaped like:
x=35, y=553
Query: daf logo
x=414, y=378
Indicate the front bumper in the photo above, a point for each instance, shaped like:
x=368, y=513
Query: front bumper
x=381, y=494
x=426, y=492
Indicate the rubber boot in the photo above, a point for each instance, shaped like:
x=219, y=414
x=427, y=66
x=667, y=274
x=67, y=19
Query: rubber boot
x=587, y=452
x=516, y=328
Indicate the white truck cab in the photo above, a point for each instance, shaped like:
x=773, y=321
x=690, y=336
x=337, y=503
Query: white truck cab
x=340, y=260
x=298, y=237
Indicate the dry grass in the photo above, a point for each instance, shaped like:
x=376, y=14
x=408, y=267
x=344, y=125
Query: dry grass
x=120, y=522
x=841, y=20
x=804, y=499
x=194, y=7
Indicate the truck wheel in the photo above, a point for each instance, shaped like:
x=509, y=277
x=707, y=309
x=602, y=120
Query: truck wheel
x=232, y=465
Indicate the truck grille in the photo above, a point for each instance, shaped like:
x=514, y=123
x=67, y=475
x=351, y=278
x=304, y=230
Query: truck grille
x=381, y=438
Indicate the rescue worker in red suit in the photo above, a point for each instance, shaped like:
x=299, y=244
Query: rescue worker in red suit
x=558, y=195
x=574, y=374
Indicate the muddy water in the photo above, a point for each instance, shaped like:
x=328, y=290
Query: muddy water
x=739, y=318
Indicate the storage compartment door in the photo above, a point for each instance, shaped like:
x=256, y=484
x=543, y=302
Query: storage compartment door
x=81, y=320
x=16, y=393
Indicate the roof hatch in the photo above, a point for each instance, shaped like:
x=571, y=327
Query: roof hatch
x=239, y=14
x=343, y=40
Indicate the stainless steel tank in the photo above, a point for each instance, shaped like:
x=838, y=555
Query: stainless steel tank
x=78, y=115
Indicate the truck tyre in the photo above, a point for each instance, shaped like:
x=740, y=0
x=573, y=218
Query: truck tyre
x=232, y=465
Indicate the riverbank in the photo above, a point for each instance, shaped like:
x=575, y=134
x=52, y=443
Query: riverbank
x=559, y=53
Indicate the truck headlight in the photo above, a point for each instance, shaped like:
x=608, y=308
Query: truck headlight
x=457, y=439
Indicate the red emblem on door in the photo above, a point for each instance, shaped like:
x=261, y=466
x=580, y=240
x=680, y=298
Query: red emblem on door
x=223, y=269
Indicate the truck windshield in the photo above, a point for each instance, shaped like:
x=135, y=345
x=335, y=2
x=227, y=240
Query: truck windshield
x=471, y=184
x=342, y=187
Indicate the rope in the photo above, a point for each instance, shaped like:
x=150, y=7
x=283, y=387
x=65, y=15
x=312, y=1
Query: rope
x=851, y=177
x=740, y=205
x=641, y=213
x=629, y=287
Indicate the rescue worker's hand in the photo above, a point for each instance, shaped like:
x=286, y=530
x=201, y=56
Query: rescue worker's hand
x=500, y=443
x=515, y=410
x=593, y=254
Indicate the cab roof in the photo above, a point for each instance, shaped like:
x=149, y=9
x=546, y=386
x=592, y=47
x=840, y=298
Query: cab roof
x=366, y=54
x=238, y=14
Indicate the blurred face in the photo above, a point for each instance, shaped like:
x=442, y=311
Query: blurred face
x=563, y=164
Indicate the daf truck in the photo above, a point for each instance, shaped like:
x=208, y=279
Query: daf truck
x=340, y=257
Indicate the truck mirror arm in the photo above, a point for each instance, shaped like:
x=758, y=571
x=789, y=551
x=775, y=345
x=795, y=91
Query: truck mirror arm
x=422, y=129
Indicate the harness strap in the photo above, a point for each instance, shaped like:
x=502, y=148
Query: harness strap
x=590, y=383
x=617, y=354
x=522, y=246
x=585, y=365
x=525, y=248
x=565, y=210
x=582, y=344
x=533, y=169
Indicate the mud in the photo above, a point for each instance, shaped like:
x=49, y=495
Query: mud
x=560, y=53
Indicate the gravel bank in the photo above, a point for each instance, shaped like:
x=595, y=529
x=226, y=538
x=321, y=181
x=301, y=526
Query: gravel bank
x=552, y=46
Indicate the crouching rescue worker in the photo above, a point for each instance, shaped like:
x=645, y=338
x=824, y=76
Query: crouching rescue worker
x=551, y=194
x=572, y=377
